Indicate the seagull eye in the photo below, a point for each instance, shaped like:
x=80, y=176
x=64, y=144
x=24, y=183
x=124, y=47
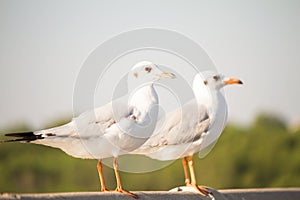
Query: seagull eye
x=205, y=82
x=216, y=77
x=148, y=69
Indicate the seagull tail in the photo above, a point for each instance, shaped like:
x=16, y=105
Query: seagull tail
x=23, y=137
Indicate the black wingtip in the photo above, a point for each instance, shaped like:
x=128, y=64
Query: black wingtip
x=23, y=134
x=23, y=137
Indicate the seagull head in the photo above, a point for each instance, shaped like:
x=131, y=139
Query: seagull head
x=146, y=71
x=218, y=81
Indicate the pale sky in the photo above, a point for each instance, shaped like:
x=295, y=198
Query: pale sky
x=43, y=45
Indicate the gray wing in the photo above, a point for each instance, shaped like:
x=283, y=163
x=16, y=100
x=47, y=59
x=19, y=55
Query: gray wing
x=184, y=125
x=92, y=123
x=96, y=121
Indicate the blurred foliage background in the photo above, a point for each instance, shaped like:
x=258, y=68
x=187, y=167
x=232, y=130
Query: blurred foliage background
x=265, y=154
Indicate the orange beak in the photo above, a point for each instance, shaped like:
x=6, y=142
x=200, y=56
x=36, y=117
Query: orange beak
x=233, y=81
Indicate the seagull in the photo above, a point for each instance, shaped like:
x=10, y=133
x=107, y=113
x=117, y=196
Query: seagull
x=116, y=128
x=192, y=128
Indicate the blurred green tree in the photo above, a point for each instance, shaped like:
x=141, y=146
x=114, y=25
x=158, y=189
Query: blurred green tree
x=266, y=154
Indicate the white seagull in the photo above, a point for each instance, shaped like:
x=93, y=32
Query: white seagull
x=111, y=130
x=193, y=127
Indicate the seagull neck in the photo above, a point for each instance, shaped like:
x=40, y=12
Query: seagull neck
x=143, y=96
x=214, y=102
x=144, y=101
x=208, y=97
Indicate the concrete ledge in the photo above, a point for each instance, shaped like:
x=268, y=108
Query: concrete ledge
x=262, y=194
x=237, y=194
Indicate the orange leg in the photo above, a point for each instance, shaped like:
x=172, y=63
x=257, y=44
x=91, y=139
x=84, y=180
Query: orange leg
x=186, y=172
x=119, y=184
x=202, y=190
x=99, y=167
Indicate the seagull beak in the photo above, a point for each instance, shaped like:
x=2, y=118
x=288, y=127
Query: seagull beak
x=166, y=75
x=233, y=81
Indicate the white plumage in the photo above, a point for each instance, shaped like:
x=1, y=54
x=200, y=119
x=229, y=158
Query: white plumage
x=194, y=127
x=116, y=128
